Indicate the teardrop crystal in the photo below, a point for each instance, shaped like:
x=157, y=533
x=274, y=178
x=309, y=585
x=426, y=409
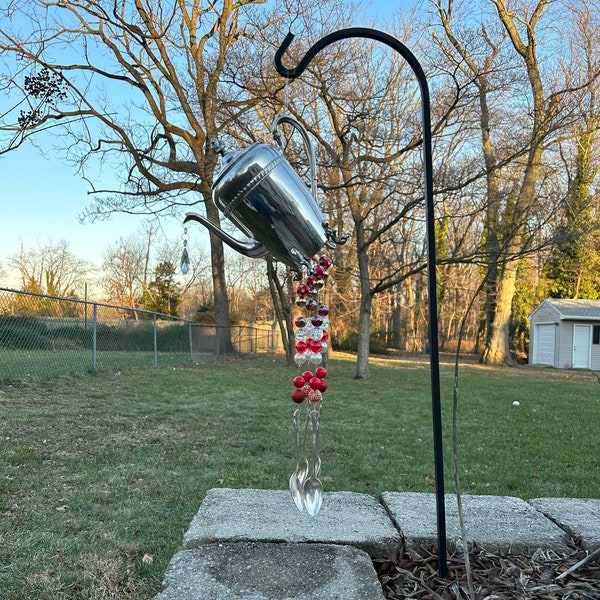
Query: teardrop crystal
x=185, y=261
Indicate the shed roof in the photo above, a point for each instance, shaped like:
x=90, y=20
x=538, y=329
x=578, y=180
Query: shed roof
x=587, y=310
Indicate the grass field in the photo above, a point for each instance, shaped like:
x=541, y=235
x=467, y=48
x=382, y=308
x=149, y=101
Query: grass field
x=35, y=365
x=100, y=475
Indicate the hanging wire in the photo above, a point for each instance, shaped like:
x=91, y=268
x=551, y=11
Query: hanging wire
x=461, y=517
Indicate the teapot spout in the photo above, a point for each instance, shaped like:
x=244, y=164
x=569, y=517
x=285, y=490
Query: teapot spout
x=251, y=249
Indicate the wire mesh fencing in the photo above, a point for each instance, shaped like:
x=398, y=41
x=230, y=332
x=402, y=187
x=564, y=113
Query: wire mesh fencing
x=43, y=336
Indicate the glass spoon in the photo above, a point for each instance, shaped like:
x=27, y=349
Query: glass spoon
x=312, y=490
x=298, y=477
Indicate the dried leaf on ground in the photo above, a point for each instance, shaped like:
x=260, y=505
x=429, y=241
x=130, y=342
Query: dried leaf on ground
x=412, y=574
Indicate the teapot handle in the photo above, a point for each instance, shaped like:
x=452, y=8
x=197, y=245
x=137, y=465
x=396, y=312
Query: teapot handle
x=307, y=145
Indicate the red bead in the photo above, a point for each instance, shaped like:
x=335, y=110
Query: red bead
x=307, y=375
x=311, y=305
x=325, y=336
x=314, y=396
x=298, y=396
x=300, y=322
x=310, y=282
x=303, y=290
x=318, y=272
x=322, y=386
x=316, y=321
x=323, y=310
x=315, y=346
x=299, y=381
x=314, y=383
x=325, y=262
x=301, y=347
x=321, y=372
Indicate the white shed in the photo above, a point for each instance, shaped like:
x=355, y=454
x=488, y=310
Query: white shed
x=565, y=334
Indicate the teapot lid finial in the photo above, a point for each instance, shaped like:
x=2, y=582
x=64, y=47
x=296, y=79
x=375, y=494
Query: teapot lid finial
x=216, y=145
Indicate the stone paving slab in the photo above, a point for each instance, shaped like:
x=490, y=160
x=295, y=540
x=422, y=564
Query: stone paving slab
x=579, y=517
x=497, y=523
x=243, y=544
x=268, y=571
x=345, y=518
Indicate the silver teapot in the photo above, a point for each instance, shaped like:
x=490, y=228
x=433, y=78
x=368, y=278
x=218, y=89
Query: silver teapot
x=260, y=193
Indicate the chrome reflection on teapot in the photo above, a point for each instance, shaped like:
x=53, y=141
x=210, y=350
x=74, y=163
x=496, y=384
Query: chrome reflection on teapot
x=260, y=193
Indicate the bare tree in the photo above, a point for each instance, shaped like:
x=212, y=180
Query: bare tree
x=507, y=58
x=134, y=84
x=246, y=280
x=475, y=59
x=124, y=272
x=51, y=269
x=571, y=271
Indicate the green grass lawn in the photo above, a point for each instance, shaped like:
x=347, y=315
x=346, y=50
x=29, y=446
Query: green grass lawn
x=100, y=475
x=35, y=365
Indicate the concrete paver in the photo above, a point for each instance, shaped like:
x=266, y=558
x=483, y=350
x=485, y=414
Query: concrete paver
x=579, y=517
x=255, y=545
x=268, y=571
x=345, y=518
x=497, y=523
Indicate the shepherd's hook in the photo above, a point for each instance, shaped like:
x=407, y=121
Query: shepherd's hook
x=409, y=57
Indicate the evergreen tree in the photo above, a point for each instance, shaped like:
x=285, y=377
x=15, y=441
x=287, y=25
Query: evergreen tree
x=572, y=269
x=163, y=292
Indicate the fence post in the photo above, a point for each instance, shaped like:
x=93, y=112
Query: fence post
x=94, y=335
x=191, y=342
x=155, y=344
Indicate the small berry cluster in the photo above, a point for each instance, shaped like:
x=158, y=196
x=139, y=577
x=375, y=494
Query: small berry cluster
x=311, y=334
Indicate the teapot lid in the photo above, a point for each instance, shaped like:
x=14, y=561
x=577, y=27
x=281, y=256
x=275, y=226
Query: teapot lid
x=243, y=162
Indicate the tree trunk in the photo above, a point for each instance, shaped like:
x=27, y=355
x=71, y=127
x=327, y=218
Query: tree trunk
x=282, y=311
x=364, y=334
x=221, y=300
x=497, y=350
x=366, y=301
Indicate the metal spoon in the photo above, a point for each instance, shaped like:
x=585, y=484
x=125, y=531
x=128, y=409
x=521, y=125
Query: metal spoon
x=298, y=477
x=312, y=490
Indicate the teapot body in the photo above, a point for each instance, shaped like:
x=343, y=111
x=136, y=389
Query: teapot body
x=259, y=192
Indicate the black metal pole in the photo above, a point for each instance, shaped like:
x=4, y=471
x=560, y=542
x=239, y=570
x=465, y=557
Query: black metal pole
x=380, y=36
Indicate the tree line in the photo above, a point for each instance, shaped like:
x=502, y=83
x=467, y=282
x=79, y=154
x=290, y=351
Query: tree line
x=514, y=88
x=141, y=271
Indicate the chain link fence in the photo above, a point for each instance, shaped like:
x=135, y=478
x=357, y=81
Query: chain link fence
x=43, y=336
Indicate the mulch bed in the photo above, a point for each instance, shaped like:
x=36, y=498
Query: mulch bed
x=412, y=574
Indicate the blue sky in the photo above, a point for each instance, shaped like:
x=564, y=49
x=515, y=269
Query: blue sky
x=42, y=198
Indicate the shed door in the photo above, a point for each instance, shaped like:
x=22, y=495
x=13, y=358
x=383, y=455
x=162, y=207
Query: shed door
x=544, y=344
x=581, y=346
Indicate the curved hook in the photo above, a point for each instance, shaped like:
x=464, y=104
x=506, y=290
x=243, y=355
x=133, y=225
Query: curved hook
x=284, y=71
x=341, y=34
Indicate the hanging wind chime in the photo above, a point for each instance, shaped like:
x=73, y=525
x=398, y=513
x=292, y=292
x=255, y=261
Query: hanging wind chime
x=259, y=192
x=311, y=342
